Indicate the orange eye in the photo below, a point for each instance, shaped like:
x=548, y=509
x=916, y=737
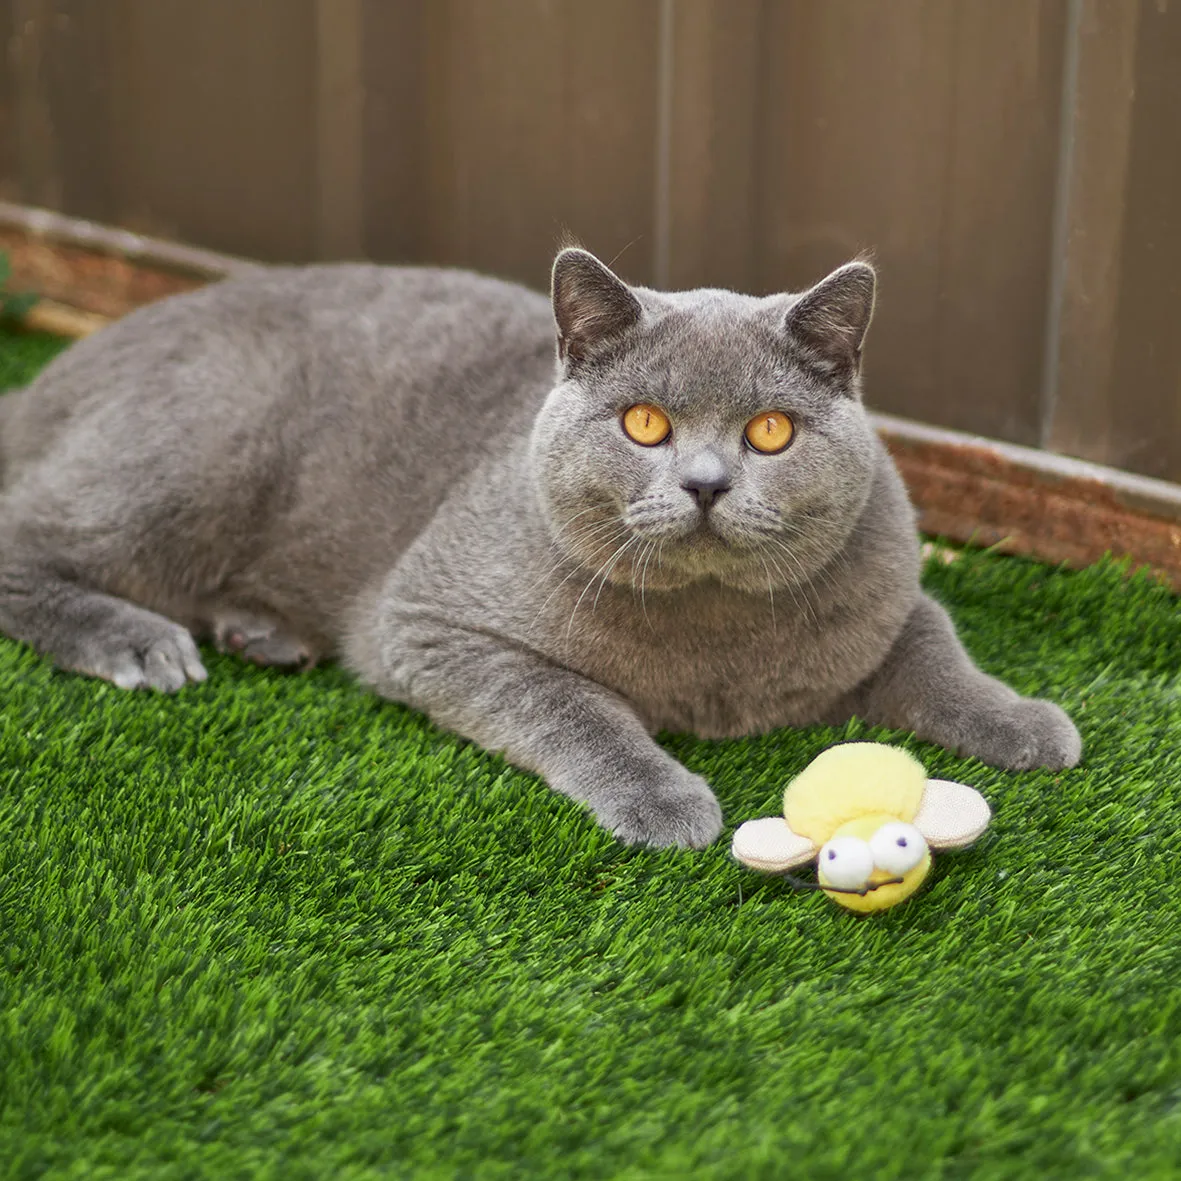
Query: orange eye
x=646, y=424
x=770, y=431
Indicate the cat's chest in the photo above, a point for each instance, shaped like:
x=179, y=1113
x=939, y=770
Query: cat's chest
x=718, y=663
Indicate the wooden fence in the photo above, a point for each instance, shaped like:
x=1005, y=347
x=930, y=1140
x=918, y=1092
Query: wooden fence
x=1015, y=165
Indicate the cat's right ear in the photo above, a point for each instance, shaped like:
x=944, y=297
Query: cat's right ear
x=828, y=323
x=593, y=307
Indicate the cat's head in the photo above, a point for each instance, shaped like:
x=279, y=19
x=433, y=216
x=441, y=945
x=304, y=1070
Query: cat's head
x=704, y=434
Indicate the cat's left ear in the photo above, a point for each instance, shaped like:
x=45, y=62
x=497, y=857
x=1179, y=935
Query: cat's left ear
x=593, y=307
x=828, y=323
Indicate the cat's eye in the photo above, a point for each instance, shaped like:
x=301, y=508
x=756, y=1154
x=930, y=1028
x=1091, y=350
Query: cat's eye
x=770, y=431
x=646, y=424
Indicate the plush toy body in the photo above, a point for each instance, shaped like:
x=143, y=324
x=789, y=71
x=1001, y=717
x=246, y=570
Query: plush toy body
x=871, y=816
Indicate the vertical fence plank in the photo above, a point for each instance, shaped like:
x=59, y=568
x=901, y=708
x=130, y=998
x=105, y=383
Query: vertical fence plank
x=1117, y=394
x=1145, y=394
x=340, y=100
x=717, y=54
x=214, y=122
x=836, y=178
x=1101, y=111
x=928, y=131
x=496, y=106
x=10, y=47
x=79, y=86
x=999, y=215
x=610, y=57
x=31, y=62
x=535, y=118
x=394, y=137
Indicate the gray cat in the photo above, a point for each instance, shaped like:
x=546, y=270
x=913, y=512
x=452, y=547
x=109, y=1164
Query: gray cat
x=687, y=524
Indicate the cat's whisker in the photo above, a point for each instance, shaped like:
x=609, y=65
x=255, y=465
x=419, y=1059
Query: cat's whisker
x=800, y=580
x=554, y=567
x=585, y=535
x=840, y=559
x=828, y=580
x=591, y=546
x=788, y=583
x=593, y=578
x=608, y=540
x=598, y=537
x=635, y=564
x=596, y=533
x=607, y=574
x=562, y=545
x=643, y=575
x=612, y=519
x=821, y=570
x=770, y=594
x=791, y=584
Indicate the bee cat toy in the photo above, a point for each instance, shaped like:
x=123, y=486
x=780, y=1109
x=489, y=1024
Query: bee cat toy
x=870, y=817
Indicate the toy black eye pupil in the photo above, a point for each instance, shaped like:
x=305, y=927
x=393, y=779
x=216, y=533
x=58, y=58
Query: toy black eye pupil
x=902, y=842
x=832, y=854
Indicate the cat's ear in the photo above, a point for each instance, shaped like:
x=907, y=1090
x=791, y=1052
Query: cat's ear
x=592, y=305
x=828, y=324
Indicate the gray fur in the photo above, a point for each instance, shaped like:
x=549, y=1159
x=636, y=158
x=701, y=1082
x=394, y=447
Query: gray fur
x=385, y=466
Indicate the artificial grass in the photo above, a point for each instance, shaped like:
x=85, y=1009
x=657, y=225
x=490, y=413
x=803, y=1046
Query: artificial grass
x=23, y=353
x=275, y=927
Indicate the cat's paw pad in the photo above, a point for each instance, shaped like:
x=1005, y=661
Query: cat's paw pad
x=150, y=655
x=262, y=643
x=684, y=814
x=1032, y=733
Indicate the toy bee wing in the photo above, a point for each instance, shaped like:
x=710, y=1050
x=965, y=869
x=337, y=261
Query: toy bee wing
x=950, y=816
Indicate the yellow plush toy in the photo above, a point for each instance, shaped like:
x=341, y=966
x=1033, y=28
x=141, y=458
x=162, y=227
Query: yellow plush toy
x=871, y=816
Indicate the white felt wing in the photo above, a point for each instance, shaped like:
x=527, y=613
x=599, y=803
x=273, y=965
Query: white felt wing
x=952, y=814
x=770, y=845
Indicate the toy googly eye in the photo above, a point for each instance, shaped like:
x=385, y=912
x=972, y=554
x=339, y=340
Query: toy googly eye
x=846, y=863
x=897, y=847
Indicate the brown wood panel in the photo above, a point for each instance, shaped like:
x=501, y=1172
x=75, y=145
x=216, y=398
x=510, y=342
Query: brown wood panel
x=929, y=132
x=213, y=122
x=1118, y=394
x=29, y=61
x=1144, y=429
x=10, y=187
x=839, y=82
x=1029, y=270
x=340, y=103
x=534, y=118
x=237, y=126
x=1101, y=110
x=714, y=133
x=394, y=136
x=1000, y=203
x=78, y=88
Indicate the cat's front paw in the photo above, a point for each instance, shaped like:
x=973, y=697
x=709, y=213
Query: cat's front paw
x=1028, y=733
x=139, y=650
x=678, y=810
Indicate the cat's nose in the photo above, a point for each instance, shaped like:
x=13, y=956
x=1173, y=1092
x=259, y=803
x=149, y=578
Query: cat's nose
x=706, y=491
x=705, y=477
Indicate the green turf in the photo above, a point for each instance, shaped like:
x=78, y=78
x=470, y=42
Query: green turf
x=274, y=927
x=23, y=353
